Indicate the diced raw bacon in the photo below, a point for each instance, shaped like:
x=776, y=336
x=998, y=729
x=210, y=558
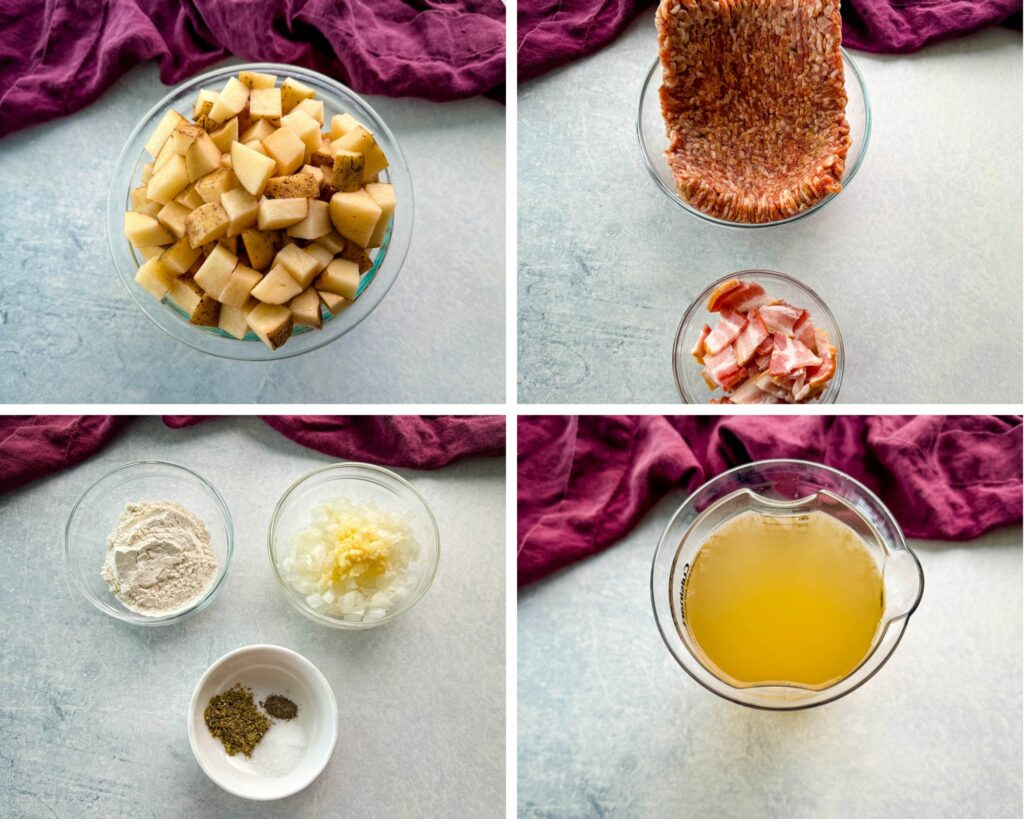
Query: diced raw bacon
x=748, y=296
x=780, y=318
x=799, y=390
x=763, y=362
x=734, y=379
x=790, y=354
x=712, y=384
x=698, y=348
x=803, y=332
x=766, y=383
x=720, y=292
x=749, y=393
x=722, y=367
x=821, y=342
x=818, y=377
x=766, y=346
x=725, y=332
x=723, y=400
x=753, y=335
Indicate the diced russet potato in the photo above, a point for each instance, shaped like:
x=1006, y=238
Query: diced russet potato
x=295, y=186
x=241, y=208
x=316, y=172
x=257, y=146
x=384, y=195
x=265, y=103
x=355, y=216
x=172, y=216
x=272, y=323
x=214, y=273
x=163, y=130
x=305, y=309
x=206, y=224
x=356, y=254
x=259, y=131
x=142, y=230
x=166, y=152
x=155, y=277
x=229, y=242
x=280, y=213
x=305, y=127
x=323, y=157
x=232, y=321
x=316, y=224
x=180, y=256
x=230, y=101
x=252, y=169
x=142, y=203
x=147, y=173
x=149, y=251
x=200, y=308
x=287, y=149
x=362, y=141
x=225, y=135
x=238, y=288
x=253, y=79
x=341, y=277
x=204, y=102
x=277, y=287
x=333, y=242
x=300, y=265
x=347, y=171
x=211, y=187
x=168, y=181
x=261, y=247
x=184, y=135
x=332, y=301
x=189, y=198
x=341, y=124
x=312, y=108
x=293, y=92
x=203, y=157
x=320, y=253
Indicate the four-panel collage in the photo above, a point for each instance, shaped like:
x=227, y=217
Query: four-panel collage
x=349, y=461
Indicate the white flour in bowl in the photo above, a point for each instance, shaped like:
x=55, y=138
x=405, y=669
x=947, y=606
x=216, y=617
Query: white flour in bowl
x=159, y=559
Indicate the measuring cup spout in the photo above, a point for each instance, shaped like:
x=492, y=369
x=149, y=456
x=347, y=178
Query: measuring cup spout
x=904, y=584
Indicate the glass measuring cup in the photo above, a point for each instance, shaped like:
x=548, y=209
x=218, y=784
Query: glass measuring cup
x=783, y=487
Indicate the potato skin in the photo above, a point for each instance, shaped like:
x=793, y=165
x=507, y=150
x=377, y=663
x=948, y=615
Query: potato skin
x=295, y=186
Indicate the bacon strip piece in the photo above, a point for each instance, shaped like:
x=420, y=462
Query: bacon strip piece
x=748, y=296
x=722, y=367
x=698, y=348
x=781, y=318
x=766, y=383
x=789, y=355
x=803, y=331
x=725, y=332
x=818, y=377
x=720, y=292
x=750, y=393
x=750, y=340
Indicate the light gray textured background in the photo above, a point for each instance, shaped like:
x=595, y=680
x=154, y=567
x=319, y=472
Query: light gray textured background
x=92, y=712
x=920, y=259
x=70, y=333
x=610, y=725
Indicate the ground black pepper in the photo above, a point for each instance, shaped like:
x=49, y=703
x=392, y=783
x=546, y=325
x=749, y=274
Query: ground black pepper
x=280, y=707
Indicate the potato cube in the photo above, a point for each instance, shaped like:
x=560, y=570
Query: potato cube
x=286, y=148
x=259, y=131
x=340, y=277
x=202, y=158
x=280, y=213
x=172, y=216
x=341, y=124
x=333, y=242
x=265, y=103
x=163, y=130
x=147, y=173
x=214, y=184
x=362, y=141
x=253, y=79
x=252, y=169
x=206, y=224
x=149, y=251
x=225, y=135
x=277, y=287
x=241, y=208
x=312, y=108
x=238, y=288
x=355, y=216
x=301, y=265
x=384, y=195
x=257, y=146
x=207, y=97
x=260, y=247
x=317, y=173
x=347, y=171
x=356, y=254
x=214, y=273
x=166, y=153
x=272, y=323
x=168, y=181
x=293, y=92
x=189, y=198
x=296, y=186
x=316, y=224
x=155, y=277
x=230, y=101
x=305, y=127
x=232, y=321
x=305, y=309
x=228, y=242
x=142, y=203
x=320, y=253
x=180, y=256
x=323, y=157
x=184, y=136
x=197, y=305
x=145, y=230
x=333, y=302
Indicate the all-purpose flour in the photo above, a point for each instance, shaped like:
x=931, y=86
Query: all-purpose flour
x=159, y=559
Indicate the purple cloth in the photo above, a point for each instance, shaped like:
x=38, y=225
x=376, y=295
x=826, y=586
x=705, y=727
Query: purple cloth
x=584, y=482
x=57, y=57
x=32, y=447
x=554, y=32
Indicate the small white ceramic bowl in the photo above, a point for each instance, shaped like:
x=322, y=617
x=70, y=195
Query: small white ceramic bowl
x=265, y=669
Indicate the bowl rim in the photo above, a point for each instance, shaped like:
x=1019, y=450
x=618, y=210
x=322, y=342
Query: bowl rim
x=903, y=619
x=294, y=658
x=128, y=616
x=698, y=302
x=851, y=170
x=298, y=601
x=396, y=245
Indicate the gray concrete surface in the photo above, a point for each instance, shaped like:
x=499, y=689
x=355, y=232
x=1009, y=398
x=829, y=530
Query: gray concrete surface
x=92, y=710
x=920, y=259
x=70, y=333
x=610, y=725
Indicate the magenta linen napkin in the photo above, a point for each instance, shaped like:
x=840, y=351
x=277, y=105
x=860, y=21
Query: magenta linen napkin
x=585, y=481
x=35, y=446
x=554, y=32
x=56, y=57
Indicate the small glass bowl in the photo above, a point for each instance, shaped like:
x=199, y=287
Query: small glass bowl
x=356, y=482
x=374, y=284
x=96, y=513
x=653, y=142
x=783, y=487
x=689, y=382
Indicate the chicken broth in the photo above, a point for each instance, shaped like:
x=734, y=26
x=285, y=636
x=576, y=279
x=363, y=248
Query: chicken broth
x=783, y=599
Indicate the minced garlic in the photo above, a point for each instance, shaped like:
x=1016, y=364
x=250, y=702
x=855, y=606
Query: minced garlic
x=354, y=561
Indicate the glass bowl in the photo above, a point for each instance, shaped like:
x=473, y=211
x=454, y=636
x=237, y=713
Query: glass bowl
x=96, y=513
x=653, y=141
x=783, y=487
x=374, y=284
x=689, y=382
x=356, y=482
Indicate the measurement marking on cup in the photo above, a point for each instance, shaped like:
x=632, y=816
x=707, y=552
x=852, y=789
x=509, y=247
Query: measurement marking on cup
x=682, y=593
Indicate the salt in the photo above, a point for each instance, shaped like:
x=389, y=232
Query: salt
x=281, y=748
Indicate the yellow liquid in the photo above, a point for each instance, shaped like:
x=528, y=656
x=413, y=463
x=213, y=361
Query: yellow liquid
x=784, y=599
